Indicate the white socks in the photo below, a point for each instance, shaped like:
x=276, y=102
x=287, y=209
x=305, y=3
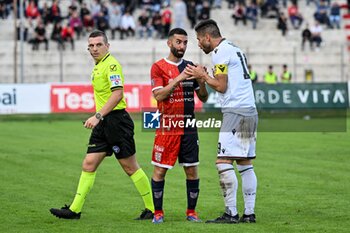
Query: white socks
x=229, y=185
x=249, y=184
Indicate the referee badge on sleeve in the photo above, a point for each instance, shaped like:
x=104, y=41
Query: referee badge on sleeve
x=113, y=68
x=115, y=80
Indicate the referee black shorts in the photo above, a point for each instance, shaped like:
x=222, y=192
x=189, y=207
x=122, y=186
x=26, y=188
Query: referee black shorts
x=114, y=134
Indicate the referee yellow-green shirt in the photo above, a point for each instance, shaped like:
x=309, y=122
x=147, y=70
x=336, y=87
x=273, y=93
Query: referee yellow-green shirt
x=107, y=76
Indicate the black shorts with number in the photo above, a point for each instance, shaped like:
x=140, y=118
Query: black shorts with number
x=115, y=134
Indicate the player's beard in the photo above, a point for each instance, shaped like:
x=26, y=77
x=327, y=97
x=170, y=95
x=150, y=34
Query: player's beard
x=206, y=48
x=176, y=53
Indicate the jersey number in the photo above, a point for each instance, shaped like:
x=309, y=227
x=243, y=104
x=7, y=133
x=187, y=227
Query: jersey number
x=244, y=65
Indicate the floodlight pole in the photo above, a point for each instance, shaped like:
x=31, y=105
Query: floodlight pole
x=21, y=32
x=15, y=42
x=294, y=63
x=342, y=78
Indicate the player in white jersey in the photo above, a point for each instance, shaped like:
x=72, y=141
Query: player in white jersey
x=237, y=136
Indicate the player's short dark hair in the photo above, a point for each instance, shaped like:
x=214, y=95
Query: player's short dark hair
x=98, y=33
x=208, y=26
x=178, y=31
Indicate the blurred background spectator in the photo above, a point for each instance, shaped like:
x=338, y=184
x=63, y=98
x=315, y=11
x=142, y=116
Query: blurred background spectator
x=127, y=25
x=56, y=35
x=252, y=73
x=252, y=13
x=32, y=11
x=239, y=13
x=282, y=23
x=115, y=17
x=144, y=25
x=334, y=16
x=316, y=36
x=321, y=14
x=306, y=37
x=180, y=14
x=204, y=11
x=270, y=76
x=270, y=9
x=192, y=12
x=40, y=37
x=286, y=75
x=166, y=21
x=55, y=12
x=76, y=24
x=295, y=16
x=157, y=24
x=67, y=35
x=102, y=21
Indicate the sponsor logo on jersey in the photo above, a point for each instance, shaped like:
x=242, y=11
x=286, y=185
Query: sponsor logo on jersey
x=187, y=84
x=116, y=149
x=158, y=156
x=221, y=69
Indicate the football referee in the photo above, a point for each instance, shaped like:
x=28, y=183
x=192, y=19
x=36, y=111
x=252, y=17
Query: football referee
x=112, y=131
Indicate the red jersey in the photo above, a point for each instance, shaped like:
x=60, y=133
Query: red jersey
x=178, y=108
x=166, y=16
x=32, y=11
x=292, y=11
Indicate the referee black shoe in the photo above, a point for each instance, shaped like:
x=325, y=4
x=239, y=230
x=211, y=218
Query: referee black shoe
x=65, y=213
x=247, y=218
x=225, y=218
x=146, y=214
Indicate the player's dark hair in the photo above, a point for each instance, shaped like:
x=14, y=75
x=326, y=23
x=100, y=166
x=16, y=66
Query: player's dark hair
x=208, y=26
x=98, y=33
x=178, y=31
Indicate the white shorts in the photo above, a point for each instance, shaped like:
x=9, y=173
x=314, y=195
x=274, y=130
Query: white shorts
x=237, y=137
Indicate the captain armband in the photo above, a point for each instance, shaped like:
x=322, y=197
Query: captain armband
x=221, y=69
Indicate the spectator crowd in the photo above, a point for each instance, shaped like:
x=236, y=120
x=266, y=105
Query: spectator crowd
x=45, y=21
x=154, y=18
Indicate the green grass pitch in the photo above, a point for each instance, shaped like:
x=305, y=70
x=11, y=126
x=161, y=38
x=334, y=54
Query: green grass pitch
x=303, y=182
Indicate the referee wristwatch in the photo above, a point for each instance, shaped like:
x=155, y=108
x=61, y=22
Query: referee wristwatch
x=99, y=116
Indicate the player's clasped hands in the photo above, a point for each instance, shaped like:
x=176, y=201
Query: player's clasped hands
x=196, y=72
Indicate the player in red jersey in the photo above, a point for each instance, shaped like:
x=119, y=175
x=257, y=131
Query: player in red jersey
x=174, y=139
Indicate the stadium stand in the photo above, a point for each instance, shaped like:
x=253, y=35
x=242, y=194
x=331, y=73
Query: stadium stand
x=263, y=46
